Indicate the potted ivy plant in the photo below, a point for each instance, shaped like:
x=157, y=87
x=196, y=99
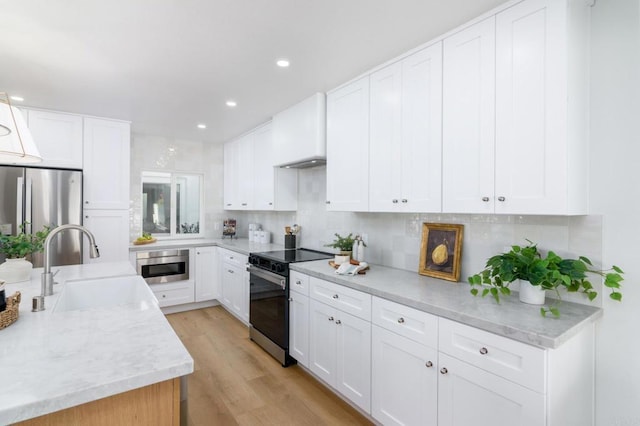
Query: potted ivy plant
x=551, y=272
x=344, y=245
x=16, y=248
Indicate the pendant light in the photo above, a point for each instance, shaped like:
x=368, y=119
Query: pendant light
x=16, y=143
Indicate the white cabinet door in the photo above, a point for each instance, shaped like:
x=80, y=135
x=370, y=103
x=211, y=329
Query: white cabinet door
x=404, y=380
x=353, y=366
x=232, y=292
x=230, y=185
x=405, y=134
x=299, y=328
x=322, y=341
x=469, y=396
x=532, y=163
x=111, y=231
x=176, y=293
x=385, y=139
x=106, y=164
x=245, y=172
x=422, y=131
x=58, y=138
x=245, y=295
x=348, y=147
x=469, y=119
x=207, y=278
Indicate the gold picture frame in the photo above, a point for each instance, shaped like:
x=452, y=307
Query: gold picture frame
x=441, y=251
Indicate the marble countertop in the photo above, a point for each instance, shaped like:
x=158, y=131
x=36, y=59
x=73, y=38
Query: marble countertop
x=55, y=360
x=240, y=245
x=511, y=318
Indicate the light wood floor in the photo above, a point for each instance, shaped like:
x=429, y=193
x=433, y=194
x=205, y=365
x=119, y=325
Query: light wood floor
x=236, y=383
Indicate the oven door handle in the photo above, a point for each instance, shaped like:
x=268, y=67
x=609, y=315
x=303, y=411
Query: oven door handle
x=269, y=276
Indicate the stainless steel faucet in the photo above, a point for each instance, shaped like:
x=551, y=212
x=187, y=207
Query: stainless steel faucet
x=47, y=276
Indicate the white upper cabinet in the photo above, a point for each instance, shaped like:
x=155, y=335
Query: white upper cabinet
x=299, y=132
x=405, y=134
x=348, y=147
x=251, y=182
x=514, y=137
x=106, y=164
x=541, y=107
x=469, y=119
x=58, y=138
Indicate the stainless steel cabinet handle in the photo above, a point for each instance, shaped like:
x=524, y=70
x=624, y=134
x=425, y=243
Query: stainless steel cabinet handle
x=501, y=198
x=298, y=282
x=404, y=200
x=485, y=199
x=338, y=322
x=394, y=201
x=400, y=320
x=335, y=296
x=230, y=271
x=429, y=364
x=228, y=205
x=330, y=318
x=484, y=351
x=327, y=202
x=443, y=370
x=244, y=204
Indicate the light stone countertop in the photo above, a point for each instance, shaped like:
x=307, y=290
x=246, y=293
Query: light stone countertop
x=55, y=360
x=240, y=245
x=511, y=318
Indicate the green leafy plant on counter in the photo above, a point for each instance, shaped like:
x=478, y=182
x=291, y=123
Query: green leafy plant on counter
x=551, y=273
x=343, y=243
x=21, y=245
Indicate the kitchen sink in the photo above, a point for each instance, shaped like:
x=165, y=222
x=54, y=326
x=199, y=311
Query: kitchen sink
x=105, y=293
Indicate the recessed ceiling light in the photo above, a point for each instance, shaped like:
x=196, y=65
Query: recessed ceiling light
x=231, y=103
x=282, y=63
x=17, y=98
x=202, y=126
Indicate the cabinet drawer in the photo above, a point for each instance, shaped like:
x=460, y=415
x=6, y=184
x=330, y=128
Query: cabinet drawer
x=405, y=321
x=346, y=299
x=299, y=282
x=174, y=293
x=512, y=360
x=233, y=258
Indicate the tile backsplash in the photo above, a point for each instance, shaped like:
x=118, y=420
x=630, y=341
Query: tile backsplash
x=393, y=239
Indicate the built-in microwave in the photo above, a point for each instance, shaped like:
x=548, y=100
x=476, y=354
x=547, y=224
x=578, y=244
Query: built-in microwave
x=163, y=266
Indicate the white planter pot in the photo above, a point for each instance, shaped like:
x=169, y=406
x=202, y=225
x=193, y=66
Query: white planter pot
x=531, y=294
x=15, y=270
x=342, y=258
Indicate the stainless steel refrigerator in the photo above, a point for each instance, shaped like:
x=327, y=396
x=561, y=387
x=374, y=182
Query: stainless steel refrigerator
x=43, y=197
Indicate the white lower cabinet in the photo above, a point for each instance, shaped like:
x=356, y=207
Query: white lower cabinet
x=299, y=318
x=207, y=277
x=404, y=383
x=111, y=231
x=340, y=339
x=176, y=293
x=235, y=283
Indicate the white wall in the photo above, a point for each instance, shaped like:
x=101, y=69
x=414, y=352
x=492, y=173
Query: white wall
x=615, y=155
x=165, y=154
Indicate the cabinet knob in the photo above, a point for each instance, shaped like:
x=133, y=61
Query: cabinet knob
x=485, y=199
x=270, y=204
x=197, y=252
x=338, y=322
x=164, y=296
x=404, y=200
x=86, y=202
x=428, y=364
x=230, y=271
x=443, y=370
x=501, y=198
x=291, y=299
x=335, y=296
x=86, y=217
x=244, y=204
x=401, y=320
x=484, y=351
x=394, y=201
x=330, y=318
x=229, y=205
x=298, y=282
x=327, y=202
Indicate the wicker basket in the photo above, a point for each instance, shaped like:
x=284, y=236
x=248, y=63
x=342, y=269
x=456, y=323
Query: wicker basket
x=10, y=315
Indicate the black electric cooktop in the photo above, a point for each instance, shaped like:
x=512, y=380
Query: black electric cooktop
x=278, y=260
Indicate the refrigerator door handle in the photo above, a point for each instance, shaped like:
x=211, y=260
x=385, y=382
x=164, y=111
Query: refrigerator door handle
x=27, y=208
x=19, y=203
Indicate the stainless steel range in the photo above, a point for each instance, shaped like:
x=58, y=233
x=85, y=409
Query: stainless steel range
x=269, y=298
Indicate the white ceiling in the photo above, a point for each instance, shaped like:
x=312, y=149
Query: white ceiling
x=167, y=65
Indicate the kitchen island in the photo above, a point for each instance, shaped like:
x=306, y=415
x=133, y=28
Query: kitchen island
x=56, y=359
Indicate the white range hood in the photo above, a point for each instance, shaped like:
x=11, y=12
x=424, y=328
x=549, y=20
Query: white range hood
x=299, y=134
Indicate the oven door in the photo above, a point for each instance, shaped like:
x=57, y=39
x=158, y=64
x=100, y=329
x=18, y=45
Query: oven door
x=268, y=305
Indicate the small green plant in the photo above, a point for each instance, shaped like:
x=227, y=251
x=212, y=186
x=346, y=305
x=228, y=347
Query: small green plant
x=342, y=243
x=551, y=273
x=21, y=245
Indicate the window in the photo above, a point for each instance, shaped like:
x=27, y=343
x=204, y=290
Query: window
x=171, y=204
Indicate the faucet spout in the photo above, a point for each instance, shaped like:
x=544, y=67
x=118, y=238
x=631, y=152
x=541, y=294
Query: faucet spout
x=47, y=276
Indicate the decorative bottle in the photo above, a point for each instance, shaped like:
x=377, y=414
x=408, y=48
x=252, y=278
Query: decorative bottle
x=360, y=251
x=354, y=249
